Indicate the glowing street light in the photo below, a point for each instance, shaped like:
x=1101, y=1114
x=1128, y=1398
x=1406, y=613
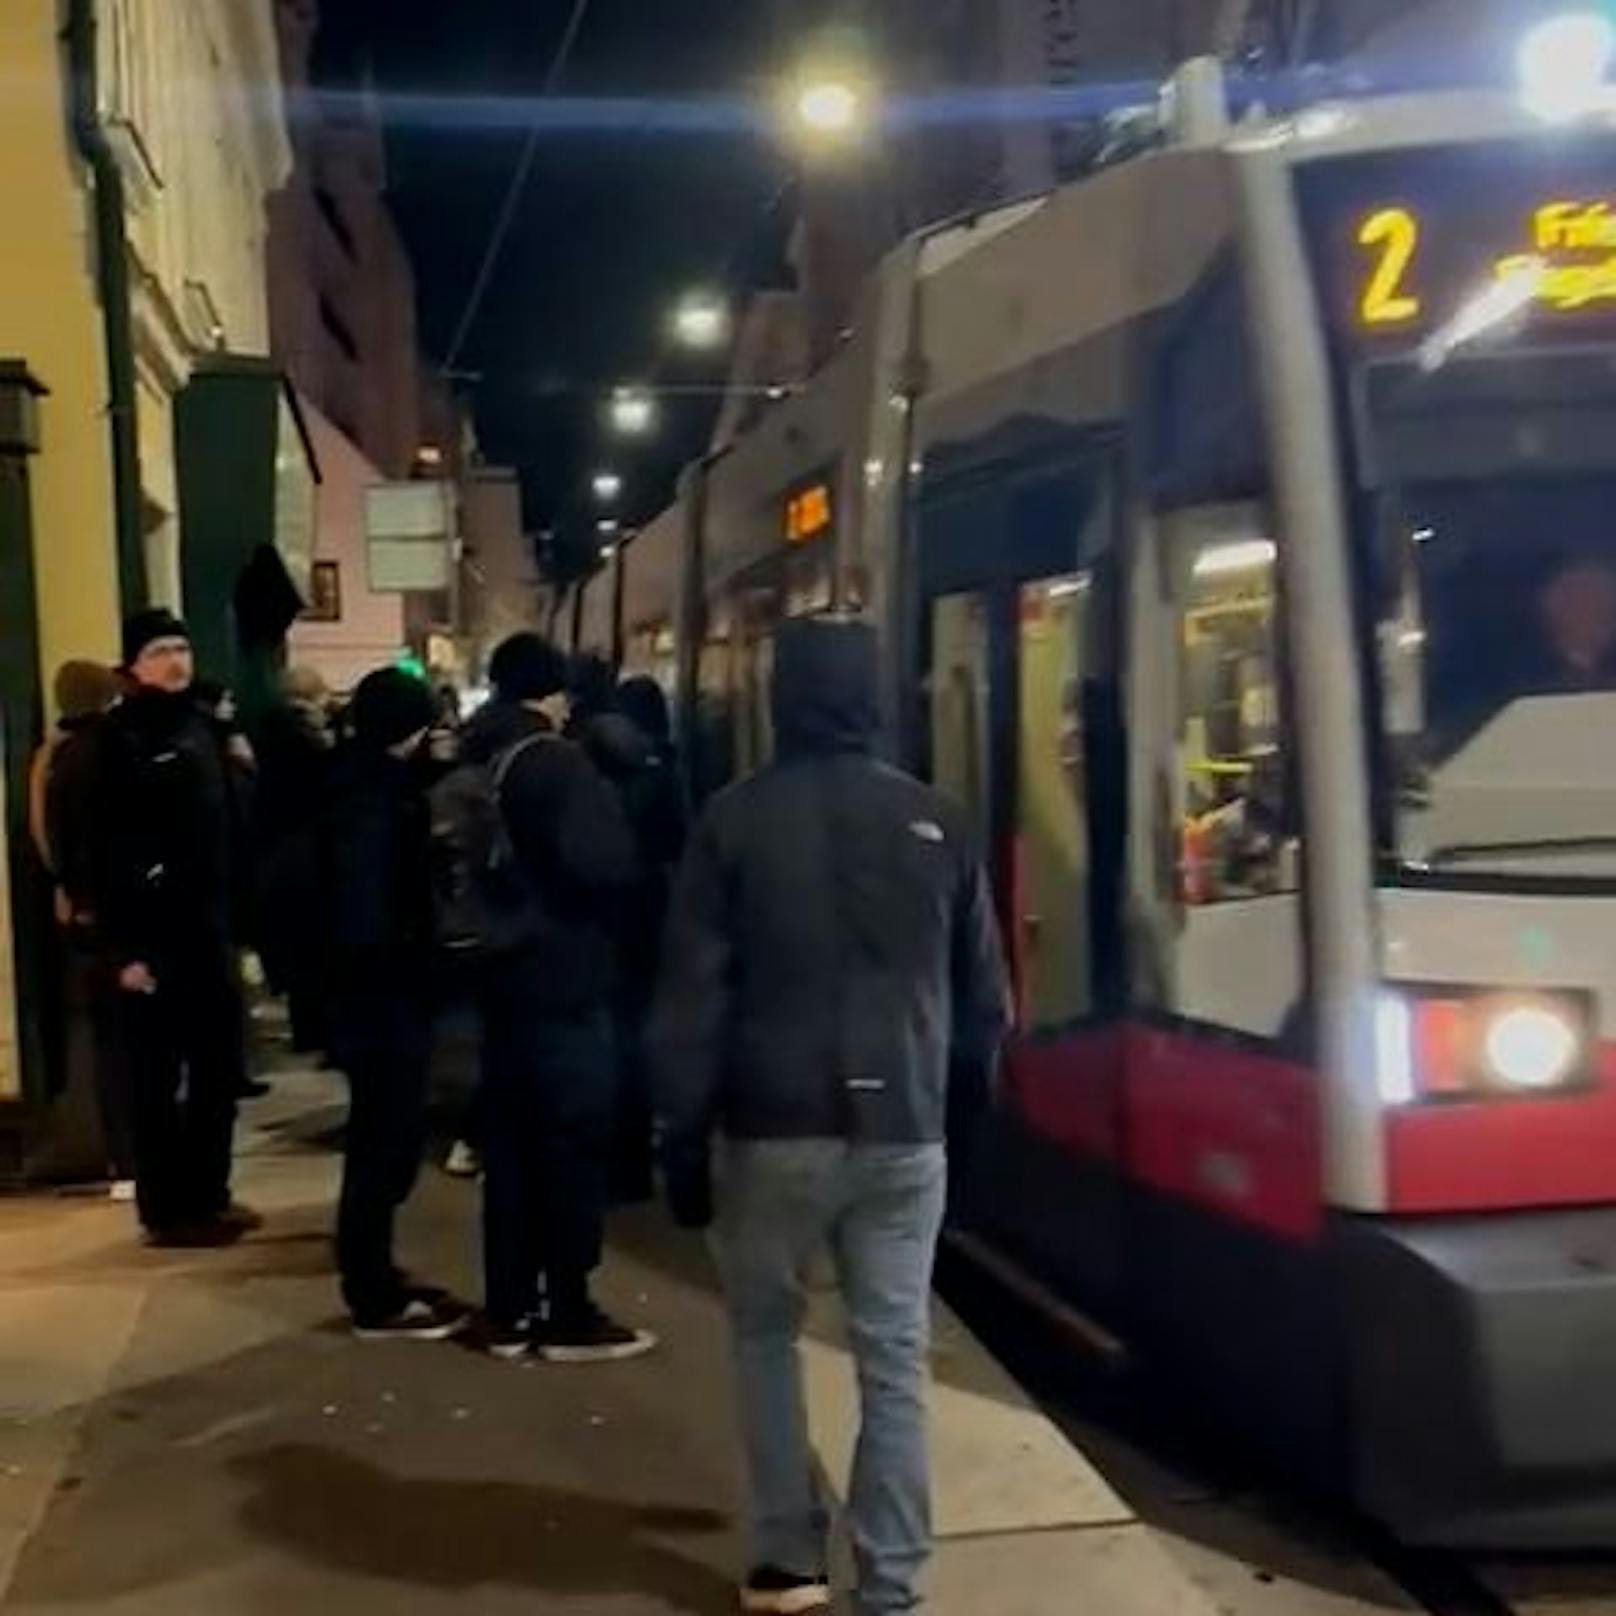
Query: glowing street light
x=1564, y=63
x=632, y=412
x=830, y=107
x=701, y=321
x=607, y=486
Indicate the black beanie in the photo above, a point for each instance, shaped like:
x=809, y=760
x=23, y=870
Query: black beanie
x=526, y=667
x=154, y=623
x=389, y=706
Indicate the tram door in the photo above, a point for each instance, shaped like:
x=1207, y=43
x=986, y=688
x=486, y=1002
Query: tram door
x=1016, y=650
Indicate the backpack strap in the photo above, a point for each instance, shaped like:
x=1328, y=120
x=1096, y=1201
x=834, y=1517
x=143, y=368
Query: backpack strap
x=506, y=761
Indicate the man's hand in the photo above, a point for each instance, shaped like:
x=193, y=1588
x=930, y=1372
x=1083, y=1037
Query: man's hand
x=136, y=977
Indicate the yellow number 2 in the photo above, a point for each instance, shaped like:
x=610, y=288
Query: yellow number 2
x=1395, y=234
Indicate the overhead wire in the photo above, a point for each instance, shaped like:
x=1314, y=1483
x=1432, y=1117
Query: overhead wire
x=559, y=63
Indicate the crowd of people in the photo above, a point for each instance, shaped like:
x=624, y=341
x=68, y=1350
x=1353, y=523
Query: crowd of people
x=789, y=999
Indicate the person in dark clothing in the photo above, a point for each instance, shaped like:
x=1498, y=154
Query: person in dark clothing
x=162, y=883
x=296, y=747
x=831, y=956
x=632, y=745
x=217, y=703
x=547, y=1103
x=379, y=867
x=62, y=810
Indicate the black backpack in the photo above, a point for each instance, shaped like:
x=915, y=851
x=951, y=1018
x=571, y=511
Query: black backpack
x=485, y=904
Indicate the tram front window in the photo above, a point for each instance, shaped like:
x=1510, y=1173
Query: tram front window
x=1497, y=643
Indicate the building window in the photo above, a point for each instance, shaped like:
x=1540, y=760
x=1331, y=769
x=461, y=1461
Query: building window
x=338, y=330
x=338, y=226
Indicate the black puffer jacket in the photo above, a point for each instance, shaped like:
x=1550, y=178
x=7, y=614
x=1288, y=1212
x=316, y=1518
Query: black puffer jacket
x=831, y=946
x=165, y=856
x=567, y=827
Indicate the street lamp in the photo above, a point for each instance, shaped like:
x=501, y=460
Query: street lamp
x=632, y=412
x=700, y=321
x=1564, y=62
x=608, y=487
x=830, y=108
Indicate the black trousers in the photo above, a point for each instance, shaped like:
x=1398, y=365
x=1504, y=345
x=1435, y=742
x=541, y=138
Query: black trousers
x=388, y=1063
x=547, y=1113
x=186, y=1059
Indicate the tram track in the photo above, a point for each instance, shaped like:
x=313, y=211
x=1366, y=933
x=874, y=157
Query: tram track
x=1256, y=1541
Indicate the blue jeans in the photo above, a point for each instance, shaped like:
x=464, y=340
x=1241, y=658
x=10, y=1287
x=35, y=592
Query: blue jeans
x=879, y=1210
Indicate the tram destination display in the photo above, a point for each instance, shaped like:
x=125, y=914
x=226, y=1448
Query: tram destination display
x=1410, y=245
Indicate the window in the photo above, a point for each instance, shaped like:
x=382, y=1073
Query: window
x=959, y=703
x=1052, y=830
x=1235, y=794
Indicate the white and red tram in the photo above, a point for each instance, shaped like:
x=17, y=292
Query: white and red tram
x=1244, y=520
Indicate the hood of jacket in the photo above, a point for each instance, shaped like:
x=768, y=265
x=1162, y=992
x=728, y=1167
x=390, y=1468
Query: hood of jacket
x=499, y=726
x=616, y=745
x=826, y=687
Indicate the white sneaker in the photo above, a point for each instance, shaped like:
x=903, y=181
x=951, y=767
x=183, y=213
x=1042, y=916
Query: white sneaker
x=121, y=1189
x=462, y=1161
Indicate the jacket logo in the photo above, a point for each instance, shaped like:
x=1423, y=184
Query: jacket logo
x=927, y=830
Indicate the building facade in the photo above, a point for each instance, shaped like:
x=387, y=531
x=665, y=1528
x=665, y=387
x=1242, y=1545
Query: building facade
x=342, y=326
x=138, y=142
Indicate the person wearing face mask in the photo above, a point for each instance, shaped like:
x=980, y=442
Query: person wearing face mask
x=162, y=878
x=381, y=940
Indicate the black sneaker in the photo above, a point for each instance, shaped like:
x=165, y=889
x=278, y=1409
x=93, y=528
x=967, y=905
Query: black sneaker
x=206, y=1234
x=590, y=1337
x=784, y=1593
x=415, y=1321
x=237, y=1216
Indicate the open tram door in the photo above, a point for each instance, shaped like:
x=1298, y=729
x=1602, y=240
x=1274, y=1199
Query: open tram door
x=1018, y=720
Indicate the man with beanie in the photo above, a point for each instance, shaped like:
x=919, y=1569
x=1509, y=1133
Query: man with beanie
x=162, y=877
x=381, y=997
x=548, y=1103
x=832, y=966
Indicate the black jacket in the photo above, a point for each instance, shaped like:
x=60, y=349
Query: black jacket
x=831, y=947
x=162, y=872
x=70, y=812
x=376, y=859
x=567, y=827
x=644, y=771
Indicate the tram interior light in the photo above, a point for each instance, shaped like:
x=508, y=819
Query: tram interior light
x=1564, y=62
x=1244, y=555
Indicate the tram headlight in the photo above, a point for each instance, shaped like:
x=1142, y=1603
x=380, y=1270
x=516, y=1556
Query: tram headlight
x=1531, y=1046
x=1453, y=1043
x=1563, y=63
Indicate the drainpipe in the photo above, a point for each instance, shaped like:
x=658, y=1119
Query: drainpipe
x=112, y=286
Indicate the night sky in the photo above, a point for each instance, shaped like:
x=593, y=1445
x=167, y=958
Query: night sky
x=612, y=226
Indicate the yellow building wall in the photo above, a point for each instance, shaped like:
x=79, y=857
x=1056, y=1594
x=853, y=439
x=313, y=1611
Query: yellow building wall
x=49, y=316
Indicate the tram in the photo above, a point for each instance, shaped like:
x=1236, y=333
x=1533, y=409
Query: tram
x=1243, y=521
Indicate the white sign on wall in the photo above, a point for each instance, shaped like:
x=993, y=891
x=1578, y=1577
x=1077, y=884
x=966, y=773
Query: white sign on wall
x=409, y=536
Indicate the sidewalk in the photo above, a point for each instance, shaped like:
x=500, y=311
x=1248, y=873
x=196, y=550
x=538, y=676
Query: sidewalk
x=198, y=1435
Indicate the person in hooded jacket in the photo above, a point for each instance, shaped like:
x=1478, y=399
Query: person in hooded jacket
x=832, y=960
x=62, y=811
x=378, y=843
x=162, y=887
x=548, y=1095
x=631, y=743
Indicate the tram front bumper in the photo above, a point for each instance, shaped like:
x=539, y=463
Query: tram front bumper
x=1482, y=1376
